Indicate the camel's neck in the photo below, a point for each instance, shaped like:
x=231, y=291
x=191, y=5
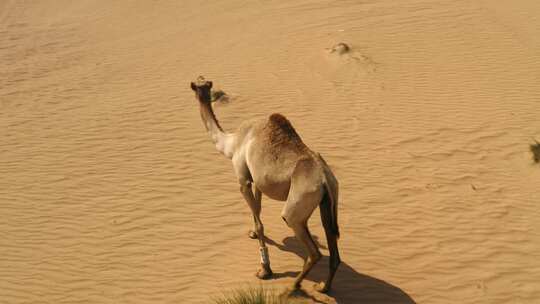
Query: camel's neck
x=209, y=119
x=221, y=139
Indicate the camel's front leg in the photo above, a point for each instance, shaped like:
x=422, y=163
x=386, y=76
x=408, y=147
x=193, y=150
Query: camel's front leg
x=254, y=202
x=256, y=215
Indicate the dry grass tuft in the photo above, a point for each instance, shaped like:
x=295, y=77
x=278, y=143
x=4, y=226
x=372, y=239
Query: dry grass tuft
x=256, y=295
x=219, y=95
x=535, y=149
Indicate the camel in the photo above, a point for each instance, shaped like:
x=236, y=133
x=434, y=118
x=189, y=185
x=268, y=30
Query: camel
x=270, y=158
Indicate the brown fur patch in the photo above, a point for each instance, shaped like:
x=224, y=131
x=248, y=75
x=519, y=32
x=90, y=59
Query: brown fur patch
x=282, y=135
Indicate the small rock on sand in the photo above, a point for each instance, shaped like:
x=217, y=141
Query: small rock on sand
x=340, y=48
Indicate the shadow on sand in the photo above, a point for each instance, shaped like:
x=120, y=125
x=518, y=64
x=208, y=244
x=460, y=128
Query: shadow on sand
x=349, y=286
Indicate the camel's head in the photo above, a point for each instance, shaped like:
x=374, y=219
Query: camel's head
x=201, y=87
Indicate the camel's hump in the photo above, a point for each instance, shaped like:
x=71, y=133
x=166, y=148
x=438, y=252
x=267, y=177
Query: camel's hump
x=279, y=120
x=281, y=123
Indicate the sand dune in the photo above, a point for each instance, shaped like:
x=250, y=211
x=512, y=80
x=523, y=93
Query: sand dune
x=111, y=191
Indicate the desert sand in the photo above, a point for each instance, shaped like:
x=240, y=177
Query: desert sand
x=112, y=192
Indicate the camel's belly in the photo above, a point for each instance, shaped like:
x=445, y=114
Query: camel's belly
x=274, y=190
x=270, y=175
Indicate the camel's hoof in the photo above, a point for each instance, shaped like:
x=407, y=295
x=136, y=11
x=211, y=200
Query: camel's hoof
x=253, y=235
x=321, y=287
x=264, y=273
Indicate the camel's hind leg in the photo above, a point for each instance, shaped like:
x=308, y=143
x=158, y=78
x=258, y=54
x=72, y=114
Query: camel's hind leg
x=314, y=255
x=305, y=195
x=331, y=238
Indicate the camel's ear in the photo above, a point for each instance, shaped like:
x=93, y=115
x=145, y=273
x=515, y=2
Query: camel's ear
x=209, y=84
x=193, y=87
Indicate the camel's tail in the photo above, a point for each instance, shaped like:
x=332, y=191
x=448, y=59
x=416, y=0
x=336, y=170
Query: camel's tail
x=329, y=203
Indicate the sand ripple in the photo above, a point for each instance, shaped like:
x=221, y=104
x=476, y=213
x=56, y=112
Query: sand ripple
x=111, y=192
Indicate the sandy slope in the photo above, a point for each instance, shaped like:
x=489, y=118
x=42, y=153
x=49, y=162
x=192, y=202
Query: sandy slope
x=111, y=192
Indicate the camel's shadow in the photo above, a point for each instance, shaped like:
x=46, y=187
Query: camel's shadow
x=349, y=286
